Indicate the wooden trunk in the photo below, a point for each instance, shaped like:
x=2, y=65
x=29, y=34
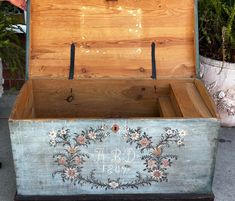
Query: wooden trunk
x=113, y=131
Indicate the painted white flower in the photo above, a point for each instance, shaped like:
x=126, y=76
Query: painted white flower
x=63, y=132
x=221, y=95
x=113, y=184
x=182, y=133
x=169, y=131
x=53, y=134
x=231, y=111
x=53, y=142
x=157, y=174
x=135, y=136
x=126, y=137
x=71, y=173
x=92, y=135
x=180, y=142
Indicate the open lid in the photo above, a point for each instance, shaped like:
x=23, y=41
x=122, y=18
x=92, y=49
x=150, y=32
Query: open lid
x=113, y=38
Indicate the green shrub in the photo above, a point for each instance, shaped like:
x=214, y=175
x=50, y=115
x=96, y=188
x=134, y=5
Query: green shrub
x=12, y=52
x=217, y=29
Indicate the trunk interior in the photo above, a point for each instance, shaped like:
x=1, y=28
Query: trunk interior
x=46, y=99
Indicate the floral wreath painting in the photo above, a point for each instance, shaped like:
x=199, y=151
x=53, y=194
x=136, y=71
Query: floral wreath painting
x=156, y=163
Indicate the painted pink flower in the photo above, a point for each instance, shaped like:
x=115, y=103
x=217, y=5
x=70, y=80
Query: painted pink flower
x=78, y=160
x=81, y=139
x=71, y=173
x=157, y=174
x=151, y=164
x=165, y=163
x=144, y=142
x=62, y=161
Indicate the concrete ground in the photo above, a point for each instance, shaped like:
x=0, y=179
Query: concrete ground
x=224, y=180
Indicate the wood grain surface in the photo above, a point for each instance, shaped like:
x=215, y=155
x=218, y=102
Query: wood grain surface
x=166, y=108
x=113, y=38
x=110, y=98
x=187, y=101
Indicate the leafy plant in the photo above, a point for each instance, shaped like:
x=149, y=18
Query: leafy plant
x=217, y=29
x=12, y=52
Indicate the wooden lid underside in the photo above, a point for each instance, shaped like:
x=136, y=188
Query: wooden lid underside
x=113, y=38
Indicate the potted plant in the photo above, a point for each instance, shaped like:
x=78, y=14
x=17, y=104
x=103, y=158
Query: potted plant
x=12, y=53
x=217, y=50
x=13, y=11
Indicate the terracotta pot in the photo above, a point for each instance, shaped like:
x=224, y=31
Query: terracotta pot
x=219, y=78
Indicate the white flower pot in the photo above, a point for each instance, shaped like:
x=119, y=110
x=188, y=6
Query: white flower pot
x=219, y=78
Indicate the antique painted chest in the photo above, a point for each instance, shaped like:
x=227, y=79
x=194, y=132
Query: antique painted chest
x=112, y=108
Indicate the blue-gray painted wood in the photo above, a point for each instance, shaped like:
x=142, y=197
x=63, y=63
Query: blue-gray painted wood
x=197, y=39
x=27, y=40
x=114, y=158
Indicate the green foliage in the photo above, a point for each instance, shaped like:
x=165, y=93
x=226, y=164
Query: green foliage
x=11, y=51
x=217, y=29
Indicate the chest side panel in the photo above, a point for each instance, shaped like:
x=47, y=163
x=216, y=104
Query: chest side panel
x=113, y=38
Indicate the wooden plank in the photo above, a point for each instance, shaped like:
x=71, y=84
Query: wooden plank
x=187, y=101
x=197, y=100
x=94, y=98
x=113, y=39
x=113, y=61
x=165, y=107
x=99, y=98
x=139, y=197
x=24, y=105
x=33, y=155
x=206, y=97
